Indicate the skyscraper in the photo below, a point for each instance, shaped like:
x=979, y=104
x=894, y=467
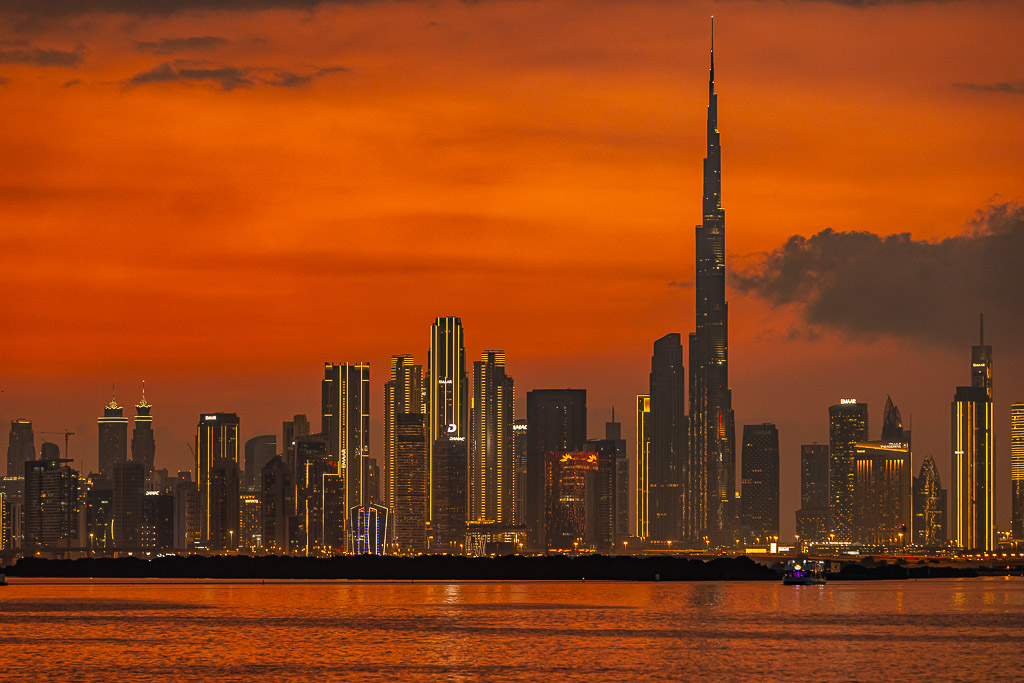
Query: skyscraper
x=403, y=394
x=812, y=517
x=21, y=447
x=51, y=505
x=491, y=463
x=848, y=426
x=259, y=450
x=410, y=483
x=881, y=486
x=113, y=439
x=128, y=498
x=217, y=473
x=613, y=433
x=566, y=478
x=345, y=403
x=557, y=420
x=668, y=432
x=1017, y=469
x=447, y=532
x=519, y=443
x=277, y=504
x=642, y=527
x=760, y=479
x=711, y=473
x=972, y=509
x=447, y=390
x=929, y=506
x=291, y=431
x=143, y=442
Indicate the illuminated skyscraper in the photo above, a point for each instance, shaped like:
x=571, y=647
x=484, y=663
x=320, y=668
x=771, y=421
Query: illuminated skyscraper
x=217, y=470
x=613, y=433
x=113, y=439
x=410, y=483
x=566, y=478
x=292, y=431
x=668, y=432
x=447, y=391
x=21, y=447
x=1017, y=469
x=313, y=472
x=447, y=532
x=403, y=394
x=369, y=526
x=929, y=506
x=972, y=508
x=519, y=444
x=882, y=486
x=711, y=473
x=128, y=498
x=491, y=463
x=557, y=420
x=642, y=482
x=346, y=429
x=760, y=479
x=143, y=443
x=848, y=426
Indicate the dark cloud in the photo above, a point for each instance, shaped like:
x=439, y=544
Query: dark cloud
x=71, y=83
x=53, y=9
x=864, y=285
x=227, y=78
x=18, y=52
x=167, y=46
x=1012, y=87
x=3, y=81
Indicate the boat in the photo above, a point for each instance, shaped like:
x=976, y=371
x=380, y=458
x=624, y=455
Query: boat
x=804, y=573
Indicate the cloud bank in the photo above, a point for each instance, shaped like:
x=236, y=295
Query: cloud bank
x=167, y=46
x=226, y=78
x=862, y=284
x=20, y=52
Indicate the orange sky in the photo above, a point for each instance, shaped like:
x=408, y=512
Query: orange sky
x=533, y=167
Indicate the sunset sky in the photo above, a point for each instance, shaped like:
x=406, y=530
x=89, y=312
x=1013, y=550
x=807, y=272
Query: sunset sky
x=218, y=200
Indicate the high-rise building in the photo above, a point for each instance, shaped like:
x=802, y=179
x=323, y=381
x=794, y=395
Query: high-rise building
x=519, y=444
x=277, y=500
x=346, y=429
x=113, y=439
x=21, y=447
x=972, y=508
x=13, y=490
x=5, y=534
x=557, y=420
x=566, y=476
x=812, y=517
x=51, y=506
x=217, y=468
x=491, y=463
x=128, y=499
x=668, y=433
x=158, y=522
x=1017, y=469
x=848, y=426
x=601, y=494
x=259, y=450
x=760, y=479
x=447, y=390
x=291, y=431
x=314, y=474
x=143, y=442
x=613, y=433
x=410, y=483
x=711, y=472
x=642, y=527
x=881, y=487
x=929, y=507
x=49, y=451
x=447, y=533
x=403, y=394
x=250, y=528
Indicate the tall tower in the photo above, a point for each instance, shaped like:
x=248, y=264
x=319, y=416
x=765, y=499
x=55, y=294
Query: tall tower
x=972, y=505
x=143, y=443
x=491, y=471
x=1017, y=469
x=760, y=479
x=642, y=528
x=217, y=468
x=403, y=395
x=113, y=439
x=847, y=426
x=668, y=439
x=711, y=475
x=345, y=425
x=21, y=447
x=447, y=390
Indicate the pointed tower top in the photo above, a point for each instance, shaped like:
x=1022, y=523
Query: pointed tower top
x=142, y=403
x=113, y=401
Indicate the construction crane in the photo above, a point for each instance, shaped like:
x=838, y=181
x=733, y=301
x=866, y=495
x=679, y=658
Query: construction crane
x=67, y=435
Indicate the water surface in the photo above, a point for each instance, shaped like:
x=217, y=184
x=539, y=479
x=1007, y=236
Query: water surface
x=966, y=629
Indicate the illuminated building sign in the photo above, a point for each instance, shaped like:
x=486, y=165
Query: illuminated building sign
x=452, y=428
x=518, y=428
x=847, y=401
x=209, y=417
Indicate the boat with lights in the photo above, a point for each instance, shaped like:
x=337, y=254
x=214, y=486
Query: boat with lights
x=804, y=573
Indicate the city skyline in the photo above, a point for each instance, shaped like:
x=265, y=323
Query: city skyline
x=209, y=376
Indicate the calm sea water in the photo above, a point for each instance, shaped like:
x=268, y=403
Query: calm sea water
x=967, y=629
